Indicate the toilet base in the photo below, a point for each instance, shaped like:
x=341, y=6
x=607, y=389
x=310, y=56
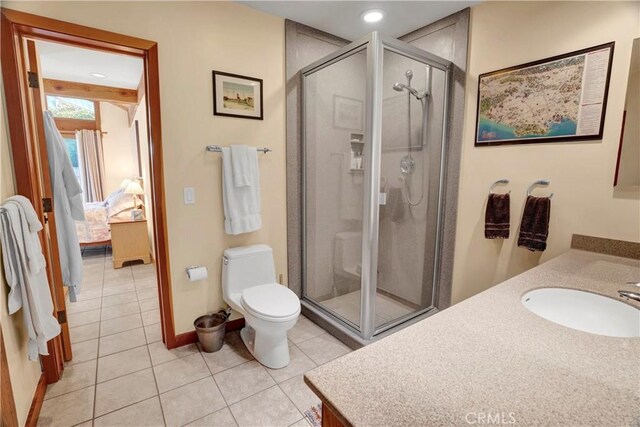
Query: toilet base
x=272, y=350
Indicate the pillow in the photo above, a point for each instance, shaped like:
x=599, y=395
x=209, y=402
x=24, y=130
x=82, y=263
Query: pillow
x=120, y=203
x=111, y=198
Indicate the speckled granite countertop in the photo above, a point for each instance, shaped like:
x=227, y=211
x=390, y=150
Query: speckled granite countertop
x=489, y=355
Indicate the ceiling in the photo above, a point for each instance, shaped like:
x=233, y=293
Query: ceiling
x=342, y=18
x=74, y=64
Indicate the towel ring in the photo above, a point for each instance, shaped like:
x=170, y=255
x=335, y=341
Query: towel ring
x=544, y=182
x=500, y=181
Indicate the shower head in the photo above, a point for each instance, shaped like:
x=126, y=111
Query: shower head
x=399, y=87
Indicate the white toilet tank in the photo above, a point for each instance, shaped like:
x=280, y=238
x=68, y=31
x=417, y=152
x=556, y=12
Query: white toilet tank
x=247, y=266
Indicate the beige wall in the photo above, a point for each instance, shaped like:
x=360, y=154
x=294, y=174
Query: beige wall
x=193, y=39
x=510, y=33
x=629, y=170
x=24, y=374
x=119, y=155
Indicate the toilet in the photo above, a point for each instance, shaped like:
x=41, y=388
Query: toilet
x=269, y=309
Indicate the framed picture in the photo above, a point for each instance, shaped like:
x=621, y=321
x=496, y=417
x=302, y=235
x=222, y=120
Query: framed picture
x=563, y=98
x=347, y=113
x=237, y=96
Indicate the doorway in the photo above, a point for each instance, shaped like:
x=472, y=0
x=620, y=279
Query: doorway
x=25, y=86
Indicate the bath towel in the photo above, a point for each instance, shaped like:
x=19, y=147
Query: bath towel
x=25, y=273
x=241, y=163
x=534, y=228
x=241, y=204
x=497, y=216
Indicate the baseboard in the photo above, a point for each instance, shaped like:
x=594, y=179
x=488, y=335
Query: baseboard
x=36, y=403
x=191, y=336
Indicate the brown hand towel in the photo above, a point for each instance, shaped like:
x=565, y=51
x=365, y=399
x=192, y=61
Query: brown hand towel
x=534, y=228
x=497, y=217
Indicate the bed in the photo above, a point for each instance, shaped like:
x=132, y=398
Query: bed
x=95, y=230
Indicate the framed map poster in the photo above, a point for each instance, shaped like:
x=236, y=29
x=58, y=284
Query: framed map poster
x=563, y=98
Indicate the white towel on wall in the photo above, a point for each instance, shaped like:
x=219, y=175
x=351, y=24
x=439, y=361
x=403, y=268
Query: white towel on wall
x=241, y=204
x=25, y=272
x=241, y=156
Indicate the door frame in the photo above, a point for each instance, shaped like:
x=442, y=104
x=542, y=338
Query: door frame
x=16, y=25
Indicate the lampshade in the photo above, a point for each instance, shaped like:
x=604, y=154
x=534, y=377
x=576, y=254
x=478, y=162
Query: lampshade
x=125, y=183
x=134, y=188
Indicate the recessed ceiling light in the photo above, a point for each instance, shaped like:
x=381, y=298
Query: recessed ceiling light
x=373, y=15
x=99, y=75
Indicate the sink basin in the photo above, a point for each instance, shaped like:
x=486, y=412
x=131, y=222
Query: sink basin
x=584, y=311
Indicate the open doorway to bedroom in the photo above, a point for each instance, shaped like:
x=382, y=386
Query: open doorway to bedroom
x=96, y=101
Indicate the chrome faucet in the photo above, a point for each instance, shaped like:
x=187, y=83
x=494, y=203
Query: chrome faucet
x=630, y=295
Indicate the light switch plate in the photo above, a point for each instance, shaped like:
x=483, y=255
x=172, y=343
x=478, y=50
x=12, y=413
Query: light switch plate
x=189, y=196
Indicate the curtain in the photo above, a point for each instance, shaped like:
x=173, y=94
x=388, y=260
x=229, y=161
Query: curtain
x=91, y=162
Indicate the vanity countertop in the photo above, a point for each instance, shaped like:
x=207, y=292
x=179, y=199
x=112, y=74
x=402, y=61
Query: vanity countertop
x=490, y=355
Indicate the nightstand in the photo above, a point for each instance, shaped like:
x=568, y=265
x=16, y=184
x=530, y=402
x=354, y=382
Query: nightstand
x=129, y=241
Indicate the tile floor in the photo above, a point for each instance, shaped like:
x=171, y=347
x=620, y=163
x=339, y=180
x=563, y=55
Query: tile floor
x=122, y=374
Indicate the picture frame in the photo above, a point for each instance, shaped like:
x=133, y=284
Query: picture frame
x=237, y=96
x=558, y=99
x=347, y=113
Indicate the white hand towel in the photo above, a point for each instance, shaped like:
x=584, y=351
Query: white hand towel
x=241, y=161
x=241, y=204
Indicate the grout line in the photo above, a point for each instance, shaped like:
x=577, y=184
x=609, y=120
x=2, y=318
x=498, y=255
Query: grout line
x=155, y=380
x=95, y=382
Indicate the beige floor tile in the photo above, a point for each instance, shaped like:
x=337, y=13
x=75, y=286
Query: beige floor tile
x=119, y=289
x=179, y=372
x=123, y=274
x=144, y=414
x=122, y=341
x=85, y=424
x=160, y=354
x=303, y=330
x=299, y=393
x=148, y=283
x=120, y=324
x=84, y=318
x=323, y=348
x=87, y=294
x=267, y=408
x=143, y=271
x=84, y=332
x=82, y=306
x=85, y=350
x=192, y=401
x=243, y=381
x=153, y=333
x=118, y=299
x=123, y=363
x=149, y=304
x=302, y=422
x=69, y=409
x=75, y=377
x=232, y=353
x=120, y=310
x=124, y=391
x=299, y=364
x=150, y=317
x=221, y=418
x=144, y=294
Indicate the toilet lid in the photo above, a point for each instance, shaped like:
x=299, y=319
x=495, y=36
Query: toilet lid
x=272, y=300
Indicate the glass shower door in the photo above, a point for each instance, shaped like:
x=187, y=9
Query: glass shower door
x=334, y=165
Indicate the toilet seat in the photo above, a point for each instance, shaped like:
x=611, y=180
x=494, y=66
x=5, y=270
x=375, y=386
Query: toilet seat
x=272, y=302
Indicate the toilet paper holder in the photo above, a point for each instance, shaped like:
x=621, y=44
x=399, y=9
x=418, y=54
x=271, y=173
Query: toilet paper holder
x=192, y=268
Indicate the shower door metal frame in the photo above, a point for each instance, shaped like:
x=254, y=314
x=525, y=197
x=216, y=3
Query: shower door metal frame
x=375, y=45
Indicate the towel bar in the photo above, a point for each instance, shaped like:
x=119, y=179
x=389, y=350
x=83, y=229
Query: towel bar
x=544, y=182
x=500, y=181
x=218, y=149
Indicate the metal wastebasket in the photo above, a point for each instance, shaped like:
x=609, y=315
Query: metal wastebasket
x=210, y=329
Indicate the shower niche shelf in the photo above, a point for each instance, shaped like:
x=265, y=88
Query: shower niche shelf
x=356, y=143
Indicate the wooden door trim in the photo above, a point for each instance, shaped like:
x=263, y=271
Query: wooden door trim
x=16, y=24
x=36, y=402
x=9, y=416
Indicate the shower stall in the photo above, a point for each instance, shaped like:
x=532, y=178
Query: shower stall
x=374, y=129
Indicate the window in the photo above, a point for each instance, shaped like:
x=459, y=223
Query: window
x=72, y=149
x=71, y=108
